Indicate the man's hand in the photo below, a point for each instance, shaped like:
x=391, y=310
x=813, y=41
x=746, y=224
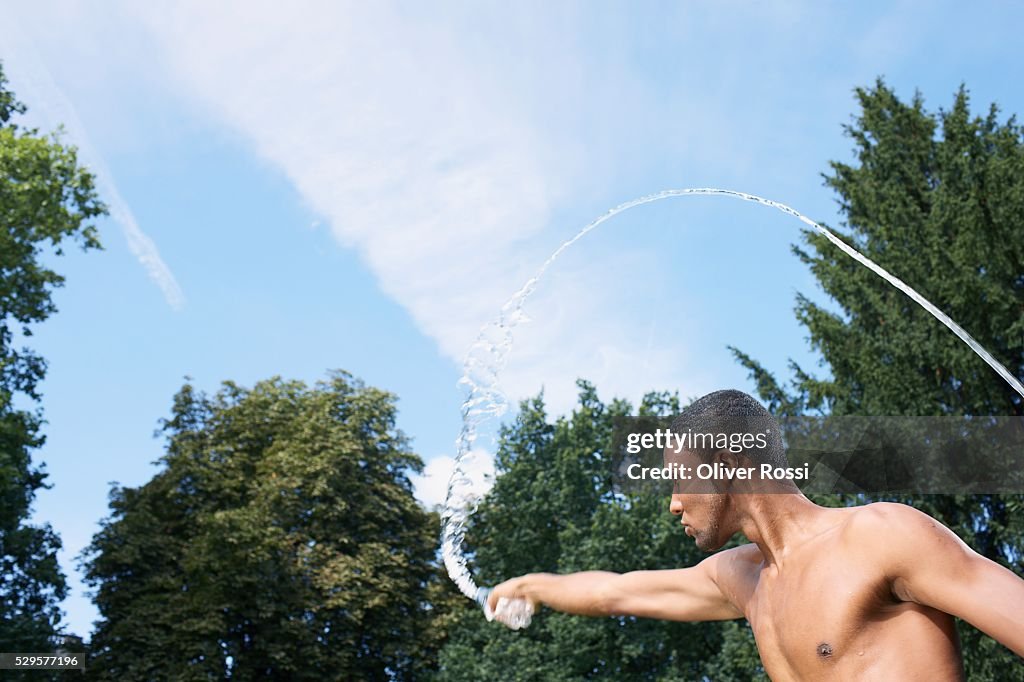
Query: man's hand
x=513, y=589
x=506, y=607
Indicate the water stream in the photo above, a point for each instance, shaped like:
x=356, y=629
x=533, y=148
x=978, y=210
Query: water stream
x=487, y=356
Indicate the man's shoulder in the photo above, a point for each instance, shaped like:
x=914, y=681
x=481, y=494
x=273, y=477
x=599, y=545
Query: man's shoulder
x=885, y=528
x=736, y=561
x=885, y=515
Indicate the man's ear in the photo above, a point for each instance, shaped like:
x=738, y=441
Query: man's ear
x=729, y=460
x=726, y=458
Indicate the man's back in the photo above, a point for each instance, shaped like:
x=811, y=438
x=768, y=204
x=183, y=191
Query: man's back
x=828, y=610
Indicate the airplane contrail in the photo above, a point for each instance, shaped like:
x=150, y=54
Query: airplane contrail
x=35, y=85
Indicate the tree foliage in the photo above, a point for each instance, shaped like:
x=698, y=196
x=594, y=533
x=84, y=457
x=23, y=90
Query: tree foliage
x=280, y=540
x=938, y=200
x=46, y=200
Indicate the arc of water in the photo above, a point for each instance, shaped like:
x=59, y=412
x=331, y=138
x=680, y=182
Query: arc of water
x=486, y=358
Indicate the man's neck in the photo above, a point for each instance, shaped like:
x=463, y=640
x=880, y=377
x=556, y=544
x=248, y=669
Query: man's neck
x=778, y=523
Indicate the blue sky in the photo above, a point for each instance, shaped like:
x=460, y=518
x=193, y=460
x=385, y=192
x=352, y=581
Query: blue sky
x=361, y=186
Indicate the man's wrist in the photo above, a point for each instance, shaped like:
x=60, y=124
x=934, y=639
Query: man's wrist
x=534, y=587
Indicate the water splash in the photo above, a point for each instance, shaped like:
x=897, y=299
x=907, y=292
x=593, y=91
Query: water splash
x=486, y=358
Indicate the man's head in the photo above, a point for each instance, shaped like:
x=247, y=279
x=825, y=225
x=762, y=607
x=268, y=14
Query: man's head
x=729, y=429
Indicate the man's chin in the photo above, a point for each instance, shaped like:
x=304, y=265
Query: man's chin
x=706, y=544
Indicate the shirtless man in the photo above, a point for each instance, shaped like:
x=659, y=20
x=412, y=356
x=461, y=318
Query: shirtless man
x=861, y=593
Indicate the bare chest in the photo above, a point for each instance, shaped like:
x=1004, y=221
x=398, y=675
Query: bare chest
x=812, y=616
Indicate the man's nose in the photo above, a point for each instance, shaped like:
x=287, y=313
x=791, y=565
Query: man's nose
x=676, y=506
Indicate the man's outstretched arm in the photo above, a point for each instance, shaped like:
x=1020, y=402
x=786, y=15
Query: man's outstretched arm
x=928, y=564
x=685, y=594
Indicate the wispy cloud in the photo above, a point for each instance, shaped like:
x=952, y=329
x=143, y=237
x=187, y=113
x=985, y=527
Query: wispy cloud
x=453, y=148
x=412, y=152
x=439, y=146
x=32, y=82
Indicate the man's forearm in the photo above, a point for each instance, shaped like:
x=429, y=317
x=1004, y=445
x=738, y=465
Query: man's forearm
x=583, y=594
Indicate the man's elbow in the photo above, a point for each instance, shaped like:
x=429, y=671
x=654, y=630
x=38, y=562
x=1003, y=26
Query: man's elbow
x=608, y=599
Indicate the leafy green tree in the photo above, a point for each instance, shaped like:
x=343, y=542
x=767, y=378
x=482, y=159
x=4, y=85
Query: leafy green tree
x=937, y=199
x=280, y=540
x=554, y=508
x=46, y=200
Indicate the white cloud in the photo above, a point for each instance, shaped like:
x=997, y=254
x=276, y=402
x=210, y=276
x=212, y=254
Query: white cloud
x=33, y=83
x=439, y=144
x=391, y=130
x=426, y=149
x=432, y=485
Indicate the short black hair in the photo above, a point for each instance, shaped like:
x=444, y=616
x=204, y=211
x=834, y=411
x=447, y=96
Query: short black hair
x=733, y=412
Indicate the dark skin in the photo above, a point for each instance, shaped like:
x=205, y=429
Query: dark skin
x=860, y=593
